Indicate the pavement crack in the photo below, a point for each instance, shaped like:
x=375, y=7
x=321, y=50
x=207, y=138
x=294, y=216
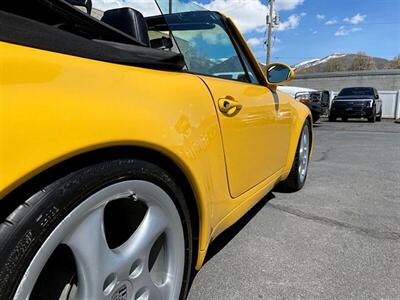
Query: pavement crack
x=377, y=234
x=324, y=155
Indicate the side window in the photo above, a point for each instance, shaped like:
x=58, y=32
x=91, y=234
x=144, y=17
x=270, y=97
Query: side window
x=207, y=49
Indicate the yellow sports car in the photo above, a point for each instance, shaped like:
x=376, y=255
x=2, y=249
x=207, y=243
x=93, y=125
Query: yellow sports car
x=129, y=139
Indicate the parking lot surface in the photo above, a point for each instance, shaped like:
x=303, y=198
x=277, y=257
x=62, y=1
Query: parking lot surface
x=338, y=238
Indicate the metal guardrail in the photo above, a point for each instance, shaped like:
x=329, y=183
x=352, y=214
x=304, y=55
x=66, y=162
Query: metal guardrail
x=388, y=72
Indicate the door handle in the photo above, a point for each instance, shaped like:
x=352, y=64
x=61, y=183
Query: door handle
x=229, y=107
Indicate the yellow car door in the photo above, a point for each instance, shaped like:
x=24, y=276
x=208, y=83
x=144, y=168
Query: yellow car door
x=255, y=123
x=254, y=130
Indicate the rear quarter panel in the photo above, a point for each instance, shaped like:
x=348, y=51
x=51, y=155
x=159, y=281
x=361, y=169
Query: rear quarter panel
x=54, y=106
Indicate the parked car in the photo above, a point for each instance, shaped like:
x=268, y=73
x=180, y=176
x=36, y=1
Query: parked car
x=316, y=101
x=356, y=102
x=293, y=90
x=123, y=155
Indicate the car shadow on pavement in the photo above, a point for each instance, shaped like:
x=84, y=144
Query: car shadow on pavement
x=225, y=237
x=364, y=121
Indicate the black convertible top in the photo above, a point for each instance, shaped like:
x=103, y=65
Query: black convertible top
x=26, y=31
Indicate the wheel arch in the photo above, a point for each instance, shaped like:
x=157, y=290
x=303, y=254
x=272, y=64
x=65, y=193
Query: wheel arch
x=26, y=189
x=302, y=114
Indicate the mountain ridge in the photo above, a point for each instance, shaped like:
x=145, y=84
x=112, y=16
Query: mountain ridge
x=337, y=62
x=342, y=62
x=317, y=61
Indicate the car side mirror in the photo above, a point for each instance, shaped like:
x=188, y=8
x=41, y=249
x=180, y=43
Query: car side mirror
x=279, y=74
x=376, y=97
x=85, y=3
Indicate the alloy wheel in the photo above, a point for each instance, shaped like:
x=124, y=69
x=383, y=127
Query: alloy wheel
x=127, y=242
x=304, y=152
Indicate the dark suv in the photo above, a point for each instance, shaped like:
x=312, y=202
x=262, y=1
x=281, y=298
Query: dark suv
x=356, y=102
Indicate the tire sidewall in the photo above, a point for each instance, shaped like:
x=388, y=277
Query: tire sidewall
x=302, y=182
x=30, y=225
x=297, y=183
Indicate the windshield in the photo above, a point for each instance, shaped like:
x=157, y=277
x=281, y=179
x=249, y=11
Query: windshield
x=205, y=45
x=159, y=32
x=185, y=27
x=359, y=91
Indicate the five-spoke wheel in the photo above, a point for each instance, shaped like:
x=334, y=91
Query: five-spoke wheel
x=124, y=240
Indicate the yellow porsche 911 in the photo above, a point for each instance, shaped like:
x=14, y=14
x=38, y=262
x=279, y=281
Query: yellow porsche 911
x=130, y=137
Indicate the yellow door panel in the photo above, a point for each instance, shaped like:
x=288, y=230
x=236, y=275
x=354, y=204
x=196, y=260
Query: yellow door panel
x=255, y=129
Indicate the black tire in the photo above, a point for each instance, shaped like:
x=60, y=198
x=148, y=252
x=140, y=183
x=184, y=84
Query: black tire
x=24, y=231
x=372, y=119
x=332, y=118
x=316, y=117
x=344, y=119
x=379, y=118
x=293, y=182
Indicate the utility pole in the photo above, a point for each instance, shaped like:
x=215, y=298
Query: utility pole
x=270, y=23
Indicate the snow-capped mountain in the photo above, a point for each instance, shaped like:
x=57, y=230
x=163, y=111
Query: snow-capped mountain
x=317, y=61
x=306, y=63
x=338, y=62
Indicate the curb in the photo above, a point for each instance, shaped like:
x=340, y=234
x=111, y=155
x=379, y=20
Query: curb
x=397, y=121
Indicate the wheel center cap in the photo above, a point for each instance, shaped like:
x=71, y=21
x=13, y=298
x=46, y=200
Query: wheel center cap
x=122, y=291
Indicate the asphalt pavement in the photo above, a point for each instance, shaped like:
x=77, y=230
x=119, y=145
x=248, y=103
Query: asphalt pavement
x=337, y=238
